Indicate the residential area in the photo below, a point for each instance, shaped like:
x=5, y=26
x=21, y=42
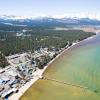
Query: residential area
x=21, y=68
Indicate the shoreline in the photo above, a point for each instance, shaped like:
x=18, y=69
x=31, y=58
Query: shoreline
x=39, y=72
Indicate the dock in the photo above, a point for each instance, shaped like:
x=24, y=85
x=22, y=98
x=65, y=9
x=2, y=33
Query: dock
x=62, y=82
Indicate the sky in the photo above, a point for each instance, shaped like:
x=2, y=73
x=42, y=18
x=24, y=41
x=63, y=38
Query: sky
x=56, y=8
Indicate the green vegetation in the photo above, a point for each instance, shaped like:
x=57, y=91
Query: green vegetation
x=11, y=44
x=3, y=61
x=41, y=62
x=36, y=38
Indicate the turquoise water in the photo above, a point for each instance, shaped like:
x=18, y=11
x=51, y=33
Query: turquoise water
x=80, y=65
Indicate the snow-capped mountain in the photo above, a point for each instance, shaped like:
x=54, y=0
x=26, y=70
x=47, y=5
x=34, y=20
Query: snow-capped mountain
x=12, y=17
x=25, y=21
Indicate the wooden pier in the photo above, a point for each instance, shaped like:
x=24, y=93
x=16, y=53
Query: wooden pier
x=62, y=82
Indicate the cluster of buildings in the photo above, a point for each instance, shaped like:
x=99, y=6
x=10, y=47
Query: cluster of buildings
x=20, y=70
x=16, y=74
x=8, y=81
x=22, y=33
x=43, y=52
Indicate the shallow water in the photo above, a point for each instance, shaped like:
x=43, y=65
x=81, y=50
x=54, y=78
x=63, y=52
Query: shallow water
x=80, y=65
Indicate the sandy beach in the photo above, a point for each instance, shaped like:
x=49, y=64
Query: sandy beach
x=38, y=74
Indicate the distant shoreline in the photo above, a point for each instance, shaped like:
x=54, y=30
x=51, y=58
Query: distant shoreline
x=40, y=72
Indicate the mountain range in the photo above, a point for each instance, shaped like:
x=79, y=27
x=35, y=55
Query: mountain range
x=22, y=21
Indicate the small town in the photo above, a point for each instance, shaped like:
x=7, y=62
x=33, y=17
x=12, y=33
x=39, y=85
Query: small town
x=21, y=68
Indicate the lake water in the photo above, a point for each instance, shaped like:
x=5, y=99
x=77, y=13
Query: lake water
x=80, y=65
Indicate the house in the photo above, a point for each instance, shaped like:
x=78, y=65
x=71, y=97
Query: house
x=8, y=93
